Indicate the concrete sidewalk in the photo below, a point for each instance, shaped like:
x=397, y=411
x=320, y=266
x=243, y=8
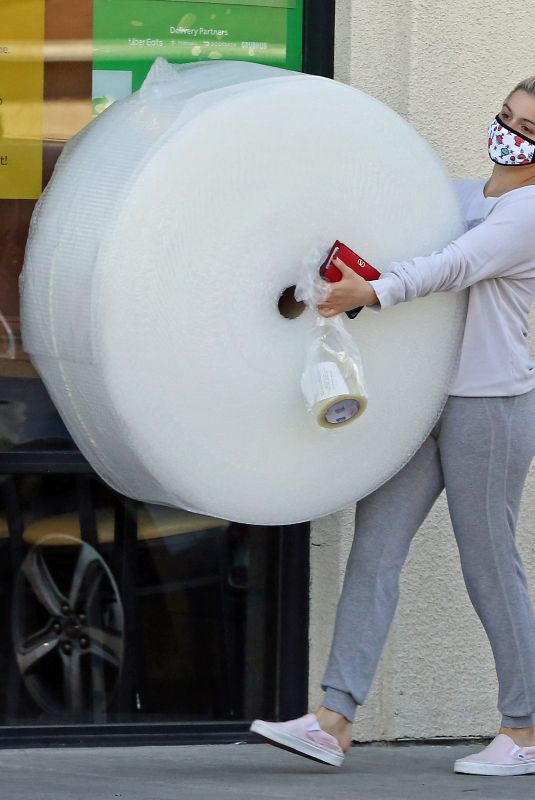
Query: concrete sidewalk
x=224, y=772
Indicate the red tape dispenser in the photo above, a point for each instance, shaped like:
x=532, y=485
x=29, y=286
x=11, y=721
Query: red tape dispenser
x=332, y=274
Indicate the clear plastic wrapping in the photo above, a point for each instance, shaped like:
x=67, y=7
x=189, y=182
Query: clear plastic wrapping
x=332, y=381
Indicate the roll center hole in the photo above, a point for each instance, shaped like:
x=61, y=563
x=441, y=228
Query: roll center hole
x=289, y=307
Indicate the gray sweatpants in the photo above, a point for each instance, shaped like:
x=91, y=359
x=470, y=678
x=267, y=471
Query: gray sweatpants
x=479, y=451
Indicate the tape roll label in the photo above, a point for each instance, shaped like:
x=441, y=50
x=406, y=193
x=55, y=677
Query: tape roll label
x=342, y=412
x=323, y=381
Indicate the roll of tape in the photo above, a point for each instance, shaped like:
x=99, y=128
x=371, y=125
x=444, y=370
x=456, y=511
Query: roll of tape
x=334, y=398
x=334, y=412
x=156, y=262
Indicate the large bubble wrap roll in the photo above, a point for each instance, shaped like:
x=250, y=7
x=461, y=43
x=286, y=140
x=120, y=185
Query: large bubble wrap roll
x=156, y=259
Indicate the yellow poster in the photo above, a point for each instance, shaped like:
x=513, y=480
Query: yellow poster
x=22, y=30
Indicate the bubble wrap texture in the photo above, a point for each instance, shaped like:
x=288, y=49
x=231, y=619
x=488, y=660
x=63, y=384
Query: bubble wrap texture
x=154, y=266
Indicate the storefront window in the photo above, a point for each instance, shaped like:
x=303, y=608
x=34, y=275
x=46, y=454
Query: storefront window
x=128, y=612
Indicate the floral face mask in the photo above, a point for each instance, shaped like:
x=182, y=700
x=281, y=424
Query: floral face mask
x=507, y=147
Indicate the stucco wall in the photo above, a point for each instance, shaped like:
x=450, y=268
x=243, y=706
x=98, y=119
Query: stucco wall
x=446, y=67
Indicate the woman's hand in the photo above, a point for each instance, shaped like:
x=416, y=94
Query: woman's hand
x=352, y=291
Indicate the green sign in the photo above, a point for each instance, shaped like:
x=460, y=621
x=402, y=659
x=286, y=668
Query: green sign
x=130, y=34
x=270, y=3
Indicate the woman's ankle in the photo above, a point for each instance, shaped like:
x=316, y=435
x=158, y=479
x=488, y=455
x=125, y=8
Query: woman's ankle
x=523, y=737
x=336, y=724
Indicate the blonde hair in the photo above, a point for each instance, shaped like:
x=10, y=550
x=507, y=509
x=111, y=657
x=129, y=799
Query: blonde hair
x=527, y=85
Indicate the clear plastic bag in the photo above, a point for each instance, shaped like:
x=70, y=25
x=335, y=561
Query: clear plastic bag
x=332, y=381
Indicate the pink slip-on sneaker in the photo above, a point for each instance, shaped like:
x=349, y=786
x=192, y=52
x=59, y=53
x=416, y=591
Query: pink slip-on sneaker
x=501, y=757
x=303, y=736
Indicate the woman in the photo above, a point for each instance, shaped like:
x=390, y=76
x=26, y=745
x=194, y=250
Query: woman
x=479, y=451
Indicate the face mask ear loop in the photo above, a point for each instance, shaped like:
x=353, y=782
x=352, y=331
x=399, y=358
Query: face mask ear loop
x=11, y=349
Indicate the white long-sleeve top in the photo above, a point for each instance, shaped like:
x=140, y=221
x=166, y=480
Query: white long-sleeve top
x=495, y=259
